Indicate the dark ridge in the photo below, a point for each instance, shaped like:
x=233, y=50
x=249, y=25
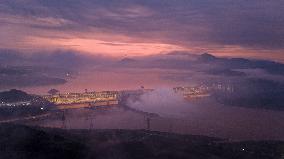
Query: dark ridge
x=225, y=72
x=21, y=142
x=42, y=143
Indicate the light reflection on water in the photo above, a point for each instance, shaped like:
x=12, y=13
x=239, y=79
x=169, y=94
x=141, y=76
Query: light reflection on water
x=204, y=118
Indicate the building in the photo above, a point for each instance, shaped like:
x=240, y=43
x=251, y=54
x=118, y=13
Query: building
x=79, y=98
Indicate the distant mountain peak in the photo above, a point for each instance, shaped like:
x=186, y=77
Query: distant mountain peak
x=206, y=57
x=127, y=60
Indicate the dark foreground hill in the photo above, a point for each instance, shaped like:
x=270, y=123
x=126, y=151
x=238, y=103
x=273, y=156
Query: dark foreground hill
x=39, y=143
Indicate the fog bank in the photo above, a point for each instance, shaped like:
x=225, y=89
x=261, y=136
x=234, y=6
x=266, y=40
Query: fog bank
x=164, y=102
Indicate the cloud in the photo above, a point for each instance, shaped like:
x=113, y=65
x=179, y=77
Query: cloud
x=103, y=47
x=135, y=11
x=226, y=27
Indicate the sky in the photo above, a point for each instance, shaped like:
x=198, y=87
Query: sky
x=119, y=28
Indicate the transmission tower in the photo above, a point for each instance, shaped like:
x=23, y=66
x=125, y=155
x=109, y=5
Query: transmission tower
x=63, y=119
x=148, y=123
x=90, y=119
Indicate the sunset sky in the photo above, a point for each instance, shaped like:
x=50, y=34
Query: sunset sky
x=144, y=27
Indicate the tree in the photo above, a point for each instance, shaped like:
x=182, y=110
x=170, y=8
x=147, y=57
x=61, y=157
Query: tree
x=53, y=91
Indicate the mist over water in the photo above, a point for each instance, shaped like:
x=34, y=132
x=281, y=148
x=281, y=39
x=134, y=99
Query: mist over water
x=164, y=102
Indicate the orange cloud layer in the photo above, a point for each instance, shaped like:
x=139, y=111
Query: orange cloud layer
x=111, y=48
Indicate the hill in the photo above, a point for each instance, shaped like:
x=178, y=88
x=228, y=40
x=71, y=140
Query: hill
x=16, y=103
x=41, y=143
x=15, y=96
